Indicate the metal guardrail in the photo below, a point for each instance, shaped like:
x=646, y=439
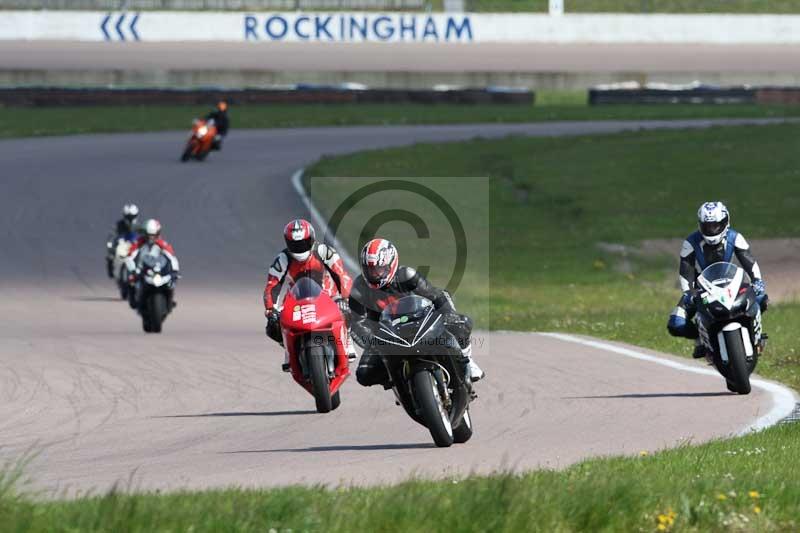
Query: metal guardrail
x=219, y=5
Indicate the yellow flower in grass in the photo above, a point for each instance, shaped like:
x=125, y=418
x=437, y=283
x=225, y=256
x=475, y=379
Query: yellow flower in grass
x=643, y=453
x=754, y=494
x=757, y=509
x=666, y=520
x=721, y=497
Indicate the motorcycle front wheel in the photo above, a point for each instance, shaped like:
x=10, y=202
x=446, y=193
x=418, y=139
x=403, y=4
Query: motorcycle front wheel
x=429, y=401
x=157, y=309
x=318, y=372
x=738, y=372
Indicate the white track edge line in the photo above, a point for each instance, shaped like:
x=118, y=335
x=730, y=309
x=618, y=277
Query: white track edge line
x=322, y=224
x=783, y=398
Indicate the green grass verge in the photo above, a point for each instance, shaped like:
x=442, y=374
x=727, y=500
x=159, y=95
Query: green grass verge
x=552, y=105
x=747, y=484
x=553, y=199
x=640, y=6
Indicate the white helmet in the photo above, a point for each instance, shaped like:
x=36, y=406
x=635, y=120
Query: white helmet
x=714, y=221
x=130, y=211
x=152, y=228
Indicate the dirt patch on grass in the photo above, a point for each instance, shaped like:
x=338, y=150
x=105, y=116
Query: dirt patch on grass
x=779, y=260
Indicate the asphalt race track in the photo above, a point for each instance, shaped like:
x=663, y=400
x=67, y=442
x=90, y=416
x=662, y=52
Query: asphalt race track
x=205, y=403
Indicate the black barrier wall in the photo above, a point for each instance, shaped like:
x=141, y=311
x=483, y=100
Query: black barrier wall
x=55, y=96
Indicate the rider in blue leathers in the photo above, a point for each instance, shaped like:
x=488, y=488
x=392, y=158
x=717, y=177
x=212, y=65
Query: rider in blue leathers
x=714, y=241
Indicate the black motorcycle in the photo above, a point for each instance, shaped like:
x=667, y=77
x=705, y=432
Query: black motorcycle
x=729, y=322
x=426, y=367
x=153, y=292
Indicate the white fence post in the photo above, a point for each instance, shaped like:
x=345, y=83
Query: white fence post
x=556, y=7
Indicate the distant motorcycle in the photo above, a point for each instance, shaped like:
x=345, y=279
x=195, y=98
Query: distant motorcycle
x=118, y=249
x=729, y=322
x=201, y=140
x=315, y=336
x=428, y=374
x=153, y=290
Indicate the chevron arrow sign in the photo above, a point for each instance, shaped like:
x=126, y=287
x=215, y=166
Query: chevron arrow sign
x=120, y=26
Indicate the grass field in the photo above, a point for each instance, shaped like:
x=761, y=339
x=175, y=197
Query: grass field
x=746, y=484
x=641, y=6
x=569, y=105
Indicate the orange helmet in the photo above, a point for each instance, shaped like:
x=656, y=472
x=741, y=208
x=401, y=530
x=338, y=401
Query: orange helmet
x=222, y=105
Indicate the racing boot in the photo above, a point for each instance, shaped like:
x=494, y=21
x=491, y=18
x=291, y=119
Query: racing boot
x=350, y=349
x=474, y=372
x=699, y=350
x=285, y=366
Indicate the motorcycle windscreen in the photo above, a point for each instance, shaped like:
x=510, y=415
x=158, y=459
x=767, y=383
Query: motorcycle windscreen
x=156, y=262
x=406, y=309
x=722, y=275
x=306, y=288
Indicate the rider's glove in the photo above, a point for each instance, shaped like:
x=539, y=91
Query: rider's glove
x=759, y=287
x=344, y=306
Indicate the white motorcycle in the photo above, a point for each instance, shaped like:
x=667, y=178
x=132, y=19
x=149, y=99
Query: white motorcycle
x=729, y=321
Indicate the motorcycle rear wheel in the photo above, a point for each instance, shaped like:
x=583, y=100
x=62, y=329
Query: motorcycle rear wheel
x=738, y=372
x=463, y=431
x=437, y=420
x=318, y=372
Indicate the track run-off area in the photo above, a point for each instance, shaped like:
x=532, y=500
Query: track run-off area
x=92, y=401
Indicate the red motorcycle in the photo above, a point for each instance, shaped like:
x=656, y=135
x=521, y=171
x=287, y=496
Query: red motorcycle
x=314, y=334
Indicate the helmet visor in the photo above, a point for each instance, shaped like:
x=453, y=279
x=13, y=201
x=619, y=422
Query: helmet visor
x=376, y=274
x=300, y=247
x=712, y=229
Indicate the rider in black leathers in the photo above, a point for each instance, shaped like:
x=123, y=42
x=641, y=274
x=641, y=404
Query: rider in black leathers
x=383, y=281
x=220, y=118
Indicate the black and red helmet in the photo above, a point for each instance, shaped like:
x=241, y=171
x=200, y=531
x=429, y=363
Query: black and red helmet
x=379, y=262
x=300, y=238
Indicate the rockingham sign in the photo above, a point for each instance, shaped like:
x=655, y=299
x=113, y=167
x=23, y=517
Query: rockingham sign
x=348, y=27
x=433, y=28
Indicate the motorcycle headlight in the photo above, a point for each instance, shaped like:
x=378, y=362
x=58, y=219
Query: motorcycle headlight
x=157, y=279
x=202, y=131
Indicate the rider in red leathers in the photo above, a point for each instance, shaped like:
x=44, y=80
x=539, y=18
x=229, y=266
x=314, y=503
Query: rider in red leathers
x=304, y=257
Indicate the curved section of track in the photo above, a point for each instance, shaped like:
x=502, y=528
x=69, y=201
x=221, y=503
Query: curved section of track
x=205, y=404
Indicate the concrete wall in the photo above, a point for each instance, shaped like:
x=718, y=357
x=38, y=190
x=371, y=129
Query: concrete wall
x=398, y=27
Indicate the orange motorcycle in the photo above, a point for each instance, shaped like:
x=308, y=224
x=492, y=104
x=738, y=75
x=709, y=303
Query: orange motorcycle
x=201, y=141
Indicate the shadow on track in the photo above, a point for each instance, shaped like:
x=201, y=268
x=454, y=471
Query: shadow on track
x=242, y=413
x=654, y=395
x=345, y=448
x=96, y=299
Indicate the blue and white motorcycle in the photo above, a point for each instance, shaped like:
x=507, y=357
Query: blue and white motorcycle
x=729, y=321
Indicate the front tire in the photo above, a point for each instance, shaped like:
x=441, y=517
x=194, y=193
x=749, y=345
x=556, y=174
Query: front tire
x=318, y=372
x=738, y=372
x=187, y=154
x=336, y=401
x=157, y=309
x=437, y=420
